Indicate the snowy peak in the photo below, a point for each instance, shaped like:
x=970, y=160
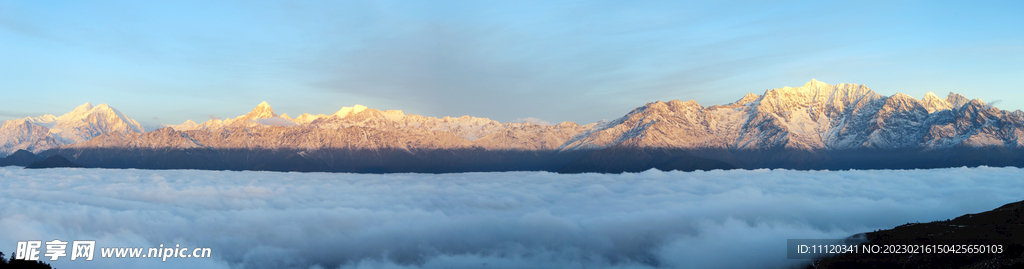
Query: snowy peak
x=978, y=102
x=78, y=111
x=956, y=100
x=186, y=126
x=83, y=123
x=101, y=118
x=816, y=116
x=815, y=97
x=113, y=115
x=262, y=111
x=49, y=120
x=750, y=97
x=346, y=111
x=814, y=83
x=263, y=114
x=900, y=102
x=670, y=106
x=22, y=134
x=306, y=118
x=86, y=122
x=788, y=98
x=932, y=103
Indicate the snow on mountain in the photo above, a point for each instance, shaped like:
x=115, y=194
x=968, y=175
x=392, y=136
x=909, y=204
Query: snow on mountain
x=956, y=100
x=186, y=126
x=306, y=118
x=350, y=127
x=262, y=111
x=263, y=114
x=466, y=127
x=932, y=103
x=816, y=116
x=23, y=134
x=86, y=122
x=47, y=131
x=346, y=111
x=976, y=124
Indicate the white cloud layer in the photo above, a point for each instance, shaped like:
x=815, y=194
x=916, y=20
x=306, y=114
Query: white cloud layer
x=716, y=219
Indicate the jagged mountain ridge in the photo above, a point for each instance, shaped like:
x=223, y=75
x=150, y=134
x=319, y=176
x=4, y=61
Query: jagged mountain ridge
x=466, y=127
x=814, y=117
x=356, y=127
x=37, y=134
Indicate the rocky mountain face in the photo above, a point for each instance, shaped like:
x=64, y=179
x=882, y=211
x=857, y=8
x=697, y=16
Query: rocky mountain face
x=22, y=134
x=356, y=127
x=814, y=117
x=37, y=134
x=815, y=126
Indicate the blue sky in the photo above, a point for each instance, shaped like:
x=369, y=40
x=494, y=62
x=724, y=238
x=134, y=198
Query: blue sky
x=165, y=62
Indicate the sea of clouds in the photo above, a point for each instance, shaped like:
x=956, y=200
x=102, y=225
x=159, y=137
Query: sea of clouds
x=653, y=219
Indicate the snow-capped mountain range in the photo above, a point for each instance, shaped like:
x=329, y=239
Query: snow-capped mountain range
x=814, y=117
x=48, y=131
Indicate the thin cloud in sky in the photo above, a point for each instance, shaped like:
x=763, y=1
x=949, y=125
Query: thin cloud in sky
x=15, y=114
x=614, y=60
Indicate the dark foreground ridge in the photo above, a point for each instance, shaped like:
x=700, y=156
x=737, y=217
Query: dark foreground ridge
x=607, y=160
x=19, y=158
x=10, y=262
x=1001, y=226
x=389, y=160
x=55, y=161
